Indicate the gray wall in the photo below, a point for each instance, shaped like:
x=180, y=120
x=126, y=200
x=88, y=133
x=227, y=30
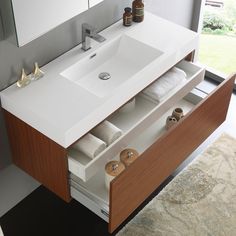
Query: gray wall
x=178, y=11
x=66, y=36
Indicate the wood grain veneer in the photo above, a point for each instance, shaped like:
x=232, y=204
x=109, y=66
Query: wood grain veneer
x=140, y=179
x=190, y=56
x=38, y=155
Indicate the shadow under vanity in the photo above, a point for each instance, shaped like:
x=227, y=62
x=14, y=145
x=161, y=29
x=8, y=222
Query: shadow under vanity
x=70, y=174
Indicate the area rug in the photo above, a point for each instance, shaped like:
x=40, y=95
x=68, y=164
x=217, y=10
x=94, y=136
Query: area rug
x=200, y=201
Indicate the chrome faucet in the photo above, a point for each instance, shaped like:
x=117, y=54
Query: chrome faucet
x=88, y=33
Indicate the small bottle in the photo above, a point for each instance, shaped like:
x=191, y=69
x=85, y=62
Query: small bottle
x=127, y=17
x=138, y=10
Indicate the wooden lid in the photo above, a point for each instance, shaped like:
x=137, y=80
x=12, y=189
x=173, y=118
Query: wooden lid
x=127, y=156
x=114, y=168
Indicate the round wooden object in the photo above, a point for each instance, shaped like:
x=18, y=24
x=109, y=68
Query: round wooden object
x=112, y=169
x=129, y=155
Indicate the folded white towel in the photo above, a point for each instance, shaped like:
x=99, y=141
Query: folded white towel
x=90, y=145
x=147, y=97
x=107, y=132
x=165, y=84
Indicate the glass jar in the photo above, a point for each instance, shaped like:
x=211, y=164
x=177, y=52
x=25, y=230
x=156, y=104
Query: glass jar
x=127, y=17
x=138, y=10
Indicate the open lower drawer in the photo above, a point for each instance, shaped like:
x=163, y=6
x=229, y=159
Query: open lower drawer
x=93, y=193
x=160, y=151
x=133, y=123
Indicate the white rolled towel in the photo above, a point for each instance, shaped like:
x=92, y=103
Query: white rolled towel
x=165, y=84
x=90, y=145
x=107, y=132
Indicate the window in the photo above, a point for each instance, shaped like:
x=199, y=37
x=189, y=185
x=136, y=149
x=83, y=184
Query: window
x=218, y=38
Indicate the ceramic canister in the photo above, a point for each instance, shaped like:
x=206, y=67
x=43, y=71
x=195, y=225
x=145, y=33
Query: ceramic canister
x=178, y=113
x=127, y=156
x=170, y=121
x=112, y=169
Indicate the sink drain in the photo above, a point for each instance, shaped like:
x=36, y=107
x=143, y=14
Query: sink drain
x=104, y=76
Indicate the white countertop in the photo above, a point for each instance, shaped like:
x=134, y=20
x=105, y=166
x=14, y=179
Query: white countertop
x=63, y=111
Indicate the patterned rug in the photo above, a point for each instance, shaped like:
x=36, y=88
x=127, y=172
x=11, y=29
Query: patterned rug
x=200, y=201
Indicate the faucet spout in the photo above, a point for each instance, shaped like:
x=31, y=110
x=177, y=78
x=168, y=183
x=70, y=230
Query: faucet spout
x=88, y=33
x=99, y=38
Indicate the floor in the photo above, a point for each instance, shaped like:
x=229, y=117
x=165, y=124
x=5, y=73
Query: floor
x=42, y=213
x=14, y=183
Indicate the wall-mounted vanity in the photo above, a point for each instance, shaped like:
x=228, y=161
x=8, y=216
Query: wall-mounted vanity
x=48, y=116
x=34, y=18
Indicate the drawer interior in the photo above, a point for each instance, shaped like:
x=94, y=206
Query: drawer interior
x=132, y=123
x=94, y=189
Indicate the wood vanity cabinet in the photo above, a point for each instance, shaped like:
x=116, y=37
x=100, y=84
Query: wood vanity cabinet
x=47, y=161
x=38, y=155
x=130, y=189
x=32, y=116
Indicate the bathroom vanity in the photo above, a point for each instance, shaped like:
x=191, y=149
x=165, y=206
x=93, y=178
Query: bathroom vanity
x=45, y=118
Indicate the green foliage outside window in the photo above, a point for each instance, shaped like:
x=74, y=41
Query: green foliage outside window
x=220, y=20
x=215, y=21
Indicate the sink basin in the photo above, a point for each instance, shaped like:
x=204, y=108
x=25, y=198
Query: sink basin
x=111, y=65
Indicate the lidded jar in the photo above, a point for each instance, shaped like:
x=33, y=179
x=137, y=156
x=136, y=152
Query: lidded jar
x=138, y=10
x=112, y=169
x=128, y=156
x=178, y=113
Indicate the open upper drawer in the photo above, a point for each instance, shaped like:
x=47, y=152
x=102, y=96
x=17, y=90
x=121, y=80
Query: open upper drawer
x=161, y=152
x=144, y=114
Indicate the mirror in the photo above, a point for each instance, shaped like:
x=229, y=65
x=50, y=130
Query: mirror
x=34, y=18
x=94, y=2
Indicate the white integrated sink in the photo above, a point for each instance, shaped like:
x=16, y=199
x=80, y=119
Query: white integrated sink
x=122, y=58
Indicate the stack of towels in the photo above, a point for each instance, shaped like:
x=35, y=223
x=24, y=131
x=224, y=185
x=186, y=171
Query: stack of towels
x=92, y=144
x=159, y=89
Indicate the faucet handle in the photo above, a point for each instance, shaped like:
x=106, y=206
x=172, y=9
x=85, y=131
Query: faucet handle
x=89, y=32
x=88, y=28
